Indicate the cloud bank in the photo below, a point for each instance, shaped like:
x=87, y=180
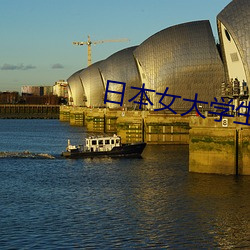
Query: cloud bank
x=21, y=66
x=57, y=66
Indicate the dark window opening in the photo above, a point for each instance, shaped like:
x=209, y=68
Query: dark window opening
x=227, y=35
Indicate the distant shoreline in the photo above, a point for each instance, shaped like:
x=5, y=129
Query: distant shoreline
x=24, y=111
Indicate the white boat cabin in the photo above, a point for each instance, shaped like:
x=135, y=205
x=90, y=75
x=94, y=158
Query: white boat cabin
x=102, y=143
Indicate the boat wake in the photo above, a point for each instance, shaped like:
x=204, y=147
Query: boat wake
x=26, y=154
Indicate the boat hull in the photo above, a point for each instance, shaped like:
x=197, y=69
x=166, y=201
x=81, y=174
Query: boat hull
x=126, y=150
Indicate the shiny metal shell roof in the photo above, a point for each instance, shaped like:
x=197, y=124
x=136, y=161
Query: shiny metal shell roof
x=75, y=89
x=121, y=67
x=236, y=18
x=93, y=85
x=185, y=59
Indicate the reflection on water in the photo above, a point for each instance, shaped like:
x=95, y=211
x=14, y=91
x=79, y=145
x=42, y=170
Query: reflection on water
x=106, y=203
x=224, y=201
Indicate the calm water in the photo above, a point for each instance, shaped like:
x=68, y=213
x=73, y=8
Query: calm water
x=148, y=203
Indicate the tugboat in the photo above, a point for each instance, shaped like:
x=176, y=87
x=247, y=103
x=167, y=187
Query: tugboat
x=96, y=146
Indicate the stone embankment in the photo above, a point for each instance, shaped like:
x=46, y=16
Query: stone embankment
x=25, y=111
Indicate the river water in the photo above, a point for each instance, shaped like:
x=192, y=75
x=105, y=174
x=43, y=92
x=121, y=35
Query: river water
x=149, y=203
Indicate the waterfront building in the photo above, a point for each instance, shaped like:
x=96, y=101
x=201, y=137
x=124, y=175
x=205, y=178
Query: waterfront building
x=30, y=90
x=60, y=89
x=38, y=95
x=9, y=97
x=37, y=90
x=183, y=58
x=234, y=32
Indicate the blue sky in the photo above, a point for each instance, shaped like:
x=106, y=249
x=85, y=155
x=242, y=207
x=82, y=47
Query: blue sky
x=36, y=35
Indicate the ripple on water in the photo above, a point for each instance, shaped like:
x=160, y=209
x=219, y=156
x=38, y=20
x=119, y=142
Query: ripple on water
x=145, y=203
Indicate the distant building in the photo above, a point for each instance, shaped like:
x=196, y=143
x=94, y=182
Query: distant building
x=40, y=100
x=47, y=90
x=37, y=90
x=60, y=89
x=9, y=97
x=38, y=95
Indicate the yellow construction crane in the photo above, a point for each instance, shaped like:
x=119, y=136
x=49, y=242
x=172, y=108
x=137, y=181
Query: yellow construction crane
x=89, y=43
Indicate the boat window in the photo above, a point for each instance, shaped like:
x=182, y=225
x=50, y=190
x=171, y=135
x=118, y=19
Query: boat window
x=93, y=142
x=117, y=141
x=112, y=141
x=107, y=142
x=100, y=142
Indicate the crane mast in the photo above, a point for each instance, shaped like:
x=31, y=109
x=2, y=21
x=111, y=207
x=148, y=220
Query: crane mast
x=89, y=43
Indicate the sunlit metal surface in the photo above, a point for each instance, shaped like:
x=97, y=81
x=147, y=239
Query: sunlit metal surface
x=121, y=67
x=76, y=90
x=185, y=59
x=236, y=18
x=93, y=85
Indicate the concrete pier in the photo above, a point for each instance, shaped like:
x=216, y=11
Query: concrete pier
x=64, y=114
x=219, y=147
x=166, y=129
x=214, y=147
x=132, y=126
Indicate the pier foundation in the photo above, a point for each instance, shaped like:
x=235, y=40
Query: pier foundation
x=132, y=126
x=219, y=147
x=214, y=147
